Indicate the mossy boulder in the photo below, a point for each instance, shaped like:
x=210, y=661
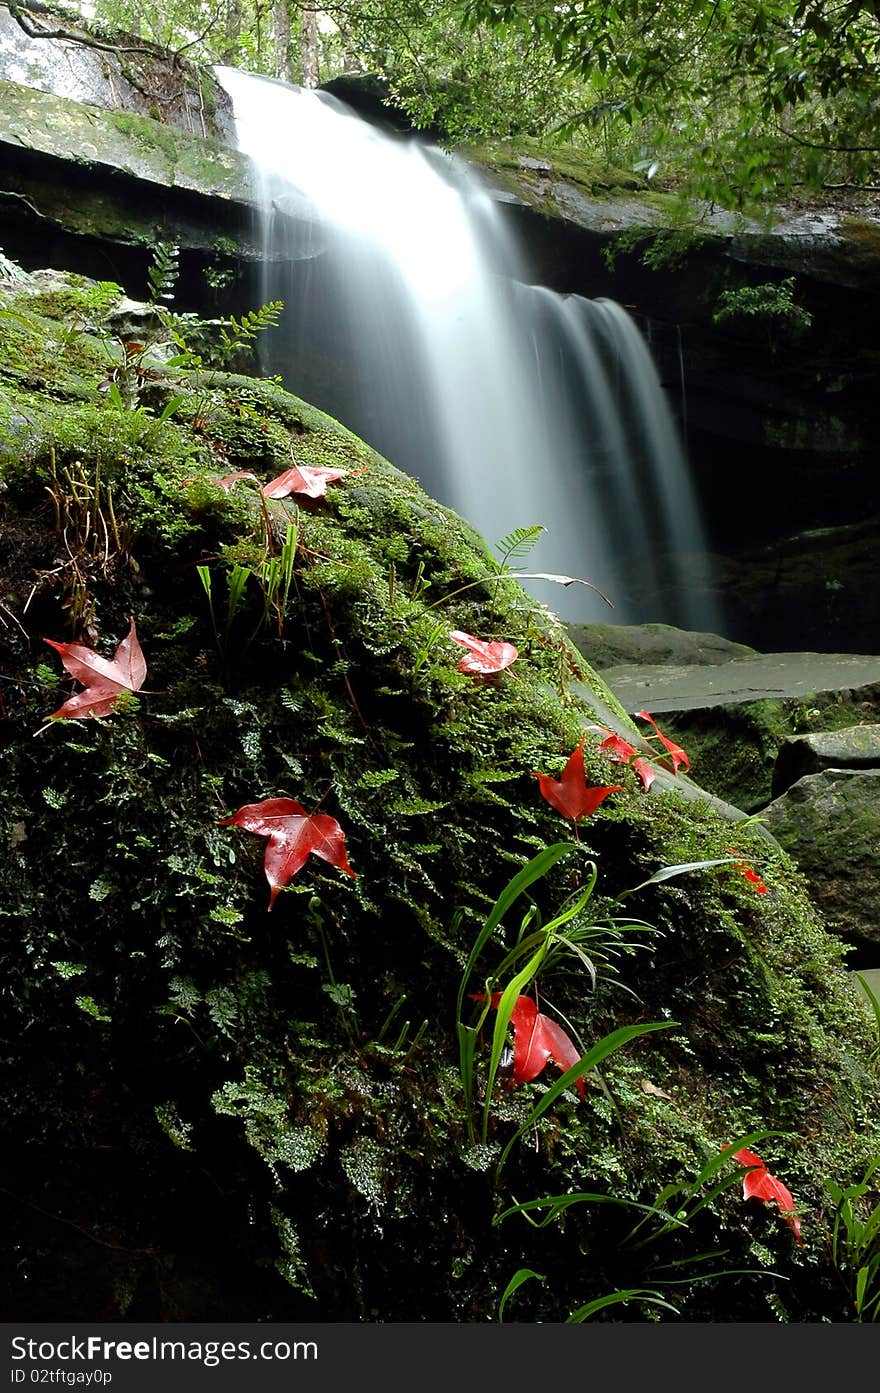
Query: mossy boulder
x=214, y=1112
x=830, y=823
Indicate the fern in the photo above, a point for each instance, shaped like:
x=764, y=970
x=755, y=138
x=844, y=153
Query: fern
x=240, y=333
x=223, y=1009
x=514, y=547
x=163, y=272
x=517, y=544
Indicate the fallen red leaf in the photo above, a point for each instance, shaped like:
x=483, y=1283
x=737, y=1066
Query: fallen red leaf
x=677, y=755
x=571, y=794
x=751, y=875
x=759, y=1184
x=103, y=679
x=302, y=479
x=293, y=836
x=537, y=1039
x=622, y=752
x=746, y=1158
x=228, y=481
x=483, y=657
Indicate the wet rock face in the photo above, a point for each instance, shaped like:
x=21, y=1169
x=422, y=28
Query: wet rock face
x=136, y=77
x=830, y=823
x=96, y=189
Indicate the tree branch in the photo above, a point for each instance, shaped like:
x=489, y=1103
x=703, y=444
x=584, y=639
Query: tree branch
x=25, y=21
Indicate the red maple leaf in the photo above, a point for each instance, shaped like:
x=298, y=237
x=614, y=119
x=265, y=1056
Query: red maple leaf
x=759, y=1184
x=302, y=479
x=755, y=879
x=622, y=752
x=483, y=657
x=103, y=679
x=677, y=755
x=536, y=1039
x=228, y=481
x=293, y=836
x=571, y=794
x=751, y=875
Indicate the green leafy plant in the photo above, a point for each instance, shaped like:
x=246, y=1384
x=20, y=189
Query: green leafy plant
x=769, y=308
x=855, y=1241
x=162, y=272
x=874, y=1005
x=212, y=344
x=514, y=546
x=657, y=1270
x=537, y=947
x=274, y=575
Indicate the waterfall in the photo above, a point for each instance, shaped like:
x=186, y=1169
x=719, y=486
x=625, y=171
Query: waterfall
x=409, y=318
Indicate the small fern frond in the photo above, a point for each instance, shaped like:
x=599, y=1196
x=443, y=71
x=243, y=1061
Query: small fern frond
x=519, y=543
x=240, y=333
x=163, y=272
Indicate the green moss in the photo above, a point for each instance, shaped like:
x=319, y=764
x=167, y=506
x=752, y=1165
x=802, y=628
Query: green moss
x=285, y=1055
x=529, y=163
x=118, y=140
x=150, y=135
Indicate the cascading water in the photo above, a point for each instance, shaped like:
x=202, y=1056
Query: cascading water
x=408, y=318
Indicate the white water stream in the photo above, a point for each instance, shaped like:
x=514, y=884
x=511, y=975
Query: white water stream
x=408, y=317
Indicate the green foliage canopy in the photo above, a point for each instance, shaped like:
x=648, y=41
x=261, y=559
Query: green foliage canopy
x=744, y=96
x=737, y=101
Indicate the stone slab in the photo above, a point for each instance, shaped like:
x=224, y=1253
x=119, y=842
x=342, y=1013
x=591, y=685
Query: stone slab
x=767, y=675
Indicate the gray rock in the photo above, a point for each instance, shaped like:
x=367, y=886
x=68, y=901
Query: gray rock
x=610, y=645
x=830, y=824
x=856, y=747
x=748, y=679
x=145, y=80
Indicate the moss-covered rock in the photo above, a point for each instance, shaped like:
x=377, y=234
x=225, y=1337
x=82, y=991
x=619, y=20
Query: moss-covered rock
x=737, y=750
x=853, y=747
x=122, y=142
x=830, y=822
x=213, y=1112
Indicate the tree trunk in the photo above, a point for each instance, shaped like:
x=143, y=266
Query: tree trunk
x=309, y=46
x=281, y=24
x=231, y=30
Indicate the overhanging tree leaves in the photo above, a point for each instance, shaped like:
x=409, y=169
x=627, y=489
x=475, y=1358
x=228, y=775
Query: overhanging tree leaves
x=745, y=94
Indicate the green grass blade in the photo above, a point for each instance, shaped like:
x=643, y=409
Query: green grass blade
x=467, y=1048
x=873, y=1003
x=532, y=871
x=653, y=1298
x=170, y=409
x=523, y=1274
x=204, y=575
x=557, y=1203
x=502, y=1020
x=607, y=1045
x=667, y=872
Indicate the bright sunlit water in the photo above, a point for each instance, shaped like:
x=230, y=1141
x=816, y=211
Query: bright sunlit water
x=409, y=318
